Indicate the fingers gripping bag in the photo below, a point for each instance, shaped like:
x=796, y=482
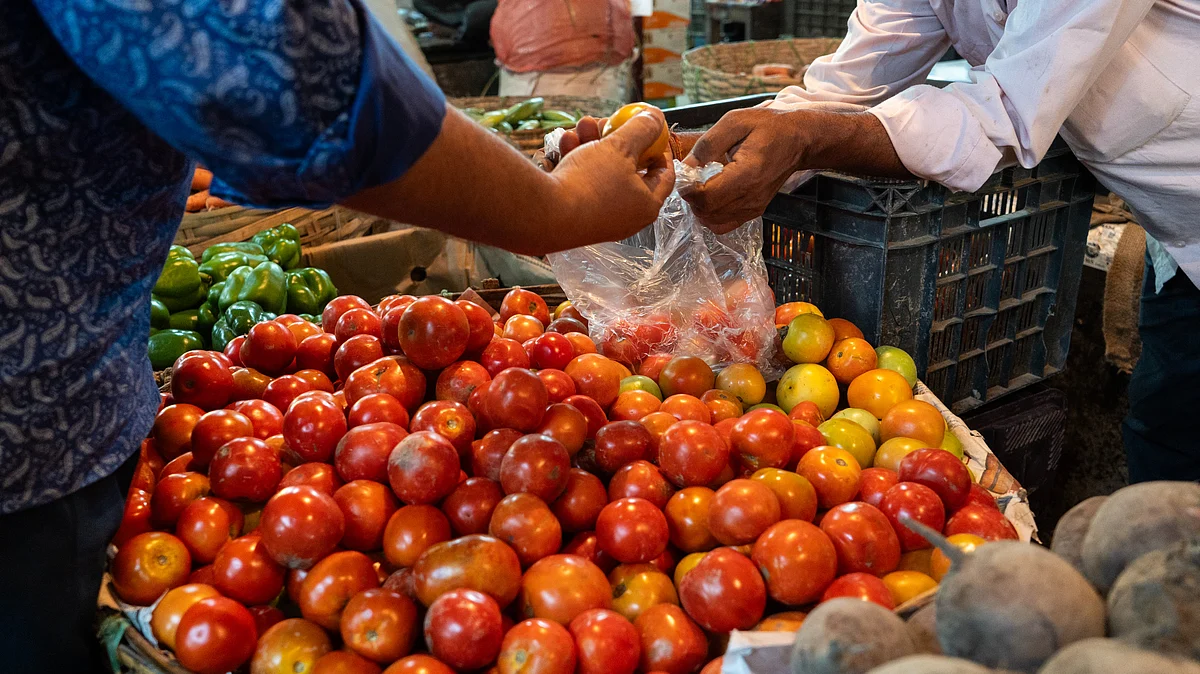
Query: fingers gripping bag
x=676, y=288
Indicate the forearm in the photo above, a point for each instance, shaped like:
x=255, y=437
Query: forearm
x=854, y=143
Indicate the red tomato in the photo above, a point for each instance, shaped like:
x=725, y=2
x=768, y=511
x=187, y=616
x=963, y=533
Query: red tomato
x=523, y=329
x=862, y=586
x=915, y=501
x=480, y=563
x=464, y=629
x=203, y=379
x=559, y=385
x=300, y=525
x=248, y=384
x=566, y=424
x=620, y=443
x=377, y=408
x=319, y=380
x=671, y=642
x=312, y=428
x=632, y=530
x=358, y=322
x=724, y=592
x=987, y=523
x=346, y=662
x=180, y=464
x=633, y=405
x=266, y=617
x=288, y=646
x=244, y=571
x=874, y=482
x=535, y=464
x=215, y=635
x=367, y=507
x=265, y=419
x=560, y=587
x=798, y=561
x=863, y=537
x=245, y=469
x=606, y=642
x=233, y=350
x=686, y=374
x=354, y=353
x=584, y=544
x=136, y=517
x=741, y=510
x=762, y=439
x=379, y=625
x=469, y=507
x=316, y=353
x=592, y=411
x=207, y=524
x=941, y=471
x=519, y=301
x=480, y=321
x=362, y=453
x=433, y=332
x=282, y=391
x=164, y=621
x=687, y=519
x=581, y=502
x=269, y=348
x=526, y=523
x=686, y=407
x=692, y=453
x=459, y=380
x=338, y=306
x=173, y=493
x=392, y=375
x=537, y=646
x=980, y=496
x=393, y=301
x=643, y=480
x=449, y=419
x=487, y=453
x=596, y=377
x=550, y=350
x=412, y=530
x=215, y=429
x=148, y=565
x=172, y=431
x=516, y=398
x=501, y=354
x=423, y=468
x=319, y=476
x=331, y=583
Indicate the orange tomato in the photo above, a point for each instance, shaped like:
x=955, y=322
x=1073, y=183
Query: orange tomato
x=582, y=343
x=844, y=329
x=788, y=621
x=893, y=451
x=915, y=419
x=849, y=358
x=633, y=405
x=683, y=406
x=878, y=391
x=164, y=622
x=596, y=377
x=917, y=560
x=784, y=313
x=797, y=498
x=637, y=587
x=833, y=473
x=939, y=563
x=904, y=585
x=686, y=564
x=627, y=112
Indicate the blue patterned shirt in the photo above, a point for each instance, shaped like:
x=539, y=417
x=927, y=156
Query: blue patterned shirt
x=104, y=106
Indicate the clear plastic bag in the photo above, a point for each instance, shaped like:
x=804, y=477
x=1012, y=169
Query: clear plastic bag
x=676, y=288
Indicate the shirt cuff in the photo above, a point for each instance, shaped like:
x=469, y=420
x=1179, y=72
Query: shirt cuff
x=937, y=138
x=396, y=114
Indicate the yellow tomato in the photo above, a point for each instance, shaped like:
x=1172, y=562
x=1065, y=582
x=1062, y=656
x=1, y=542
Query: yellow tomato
x=808, y=339
x=917, y=560
x=862, y=418
x=851, y=437
x=952, y=444
x=627, y=112
x=939, y=563
x=808, y=382
x=788, y=621
x=905, y=585
x=744, y=382
x=686, y=564
x=893, y=451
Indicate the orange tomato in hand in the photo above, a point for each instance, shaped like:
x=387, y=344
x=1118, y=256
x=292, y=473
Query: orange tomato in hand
x=627, y=112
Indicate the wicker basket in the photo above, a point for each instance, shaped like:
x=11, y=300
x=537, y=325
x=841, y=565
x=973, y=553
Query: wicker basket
x=234, y=223
x=530, y=141
x=719, y=71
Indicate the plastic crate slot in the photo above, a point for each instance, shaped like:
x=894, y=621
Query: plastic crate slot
x=1036, y=271
x=998, y=365
x=977, y=286
x=938, y=380
x=794, y=245
x=792, y=286
x=981, y=249
x=945, y=301
x=1022, y=362
x=1041, y=231
x=1028, y=315
x=1008, y=280
x=999, y=328
x=950, y=257
x=964, y=379
x=974, y=329
x=1001, y=203
x=1015, y=245
x=943, y=344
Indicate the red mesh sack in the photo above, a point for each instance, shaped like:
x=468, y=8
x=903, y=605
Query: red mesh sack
x=539, y=35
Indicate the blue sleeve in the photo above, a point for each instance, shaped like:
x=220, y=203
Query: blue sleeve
x=288, y=102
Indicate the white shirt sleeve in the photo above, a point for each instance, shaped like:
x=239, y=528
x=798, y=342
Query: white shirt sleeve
x=1048, y=57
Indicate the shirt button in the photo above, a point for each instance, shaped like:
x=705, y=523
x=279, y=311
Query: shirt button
x=1179, y=243
x=1000, y=17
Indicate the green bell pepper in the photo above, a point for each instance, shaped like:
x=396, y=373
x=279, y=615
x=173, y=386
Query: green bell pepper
x=166, y=346
x=281, y=245
x=243, y=315
x=213, y=299
x=180, y=277
x=248, y=247
x=197, y=320
x=309, y=290
x=265, y=285
x=189, y=301
x=160, y=315
x=179, y=251
x=220, y=265
x=524, y=110
x=311, y=318
x=222, y=334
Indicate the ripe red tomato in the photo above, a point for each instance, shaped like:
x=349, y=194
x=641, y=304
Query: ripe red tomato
x=244, y=571
x=338, y=306
x=205, y=525
x=367, y=507
x=762, y=438
x=449, y=419
x=862, y=586
x=331, y=583
x=559, y=385
x=172, y=431
x=640, y=479
x=592, y=411
x=356, y=352
x=724, y=592
x=519, y=301
x=798, y=561
x=550, y=350
x=362, y=453
x=319, y=380
x=269, y=348
x=535, y=464
x=233, y=350
x=433, y=332
x=300, y=525
x=265, y=617
x=377, y=408
x=863, y=537
x=620, y=443
x=245, y=469
x=173, y=493
x=686, y=374
x=560, y=587
x=180, y=464
x=692, y=453
x=525, y=522
x=148, y=565
x=607, y=643
x=584, y=544
x=516, y=398
x=687, y=519
x=632, y=530
x=874, y=483
x=941, y=471
x=501, y=354
x=203, y=379
x=566, y=424
x=312, y=428
x=316, y=353
x=248, y=384
x=981, y=497
x=412, y=530
x=469, y=507
x=423, y=468
x=581, y=501
x=345, y=662
x=265, y=419
x=480, y=321
x=282, y=391
x=214, y=429
x=487, y=453
x=459, y=380
x=358, y=322
x=633, y=405
x=392, y=375
x=136, y=517
x=379, y=625
x=480, y=563
x=686, y=407
x=741, y=510
x=537, y=646
x=987, y=523
x=915, y=501
x=671, y=642
x=464, y=629
x=289, y=646
x=319, y=476
x=215, y=635
x=522, y=329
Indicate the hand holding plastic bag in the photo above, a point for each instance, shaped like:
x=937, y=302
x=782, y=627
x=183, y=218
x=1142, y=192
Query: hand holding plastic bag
x=676, y=287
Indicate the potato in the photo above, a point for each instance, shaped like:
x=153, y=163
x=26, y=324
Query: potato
x=922, y=625
x=930, y=664
x=849, y=636
x=1155, y=603
x=1109, y=656
x=1068, y=534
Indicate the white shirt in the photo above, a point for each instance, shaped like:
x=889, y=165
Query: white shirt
x=1117, y=78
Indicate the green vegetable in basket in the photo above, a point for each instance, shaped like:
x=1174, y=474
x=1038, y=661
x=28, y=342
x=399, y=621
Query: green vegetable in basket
x=221, y=265
x=248, y=247
x=281, y=245
x=493, y=118
x=160, y=315
x=196, y=320
x=213, y=300
x=504, y=128
x=166, y=346
x=529, y=125
x=558, y=116
x=265, y=285
x=243, y=315
x=547, y=125
x=311, y=318
x=309, y=290
x=524, y=110
x=179, y=283
x=179, y=251
x=222, y=334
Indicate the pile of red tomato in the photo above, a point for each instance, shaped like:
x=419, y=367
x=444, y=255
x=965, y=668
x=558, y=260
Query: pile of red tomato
x=422, y=487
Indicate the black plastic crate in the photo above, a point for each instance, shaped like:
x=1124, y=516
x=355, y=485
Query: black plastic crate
x=1026, y=435
x=822, y=18
x=979, y=288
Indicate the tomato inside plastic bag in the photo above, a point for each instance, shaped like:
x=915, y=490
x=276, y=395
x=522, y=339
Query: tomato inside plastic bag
x=677, y=288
